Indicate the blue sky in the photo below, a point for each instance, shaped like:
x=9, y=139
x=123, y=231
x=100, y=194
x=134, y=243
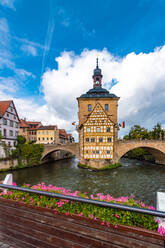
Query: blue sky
x=37, y=36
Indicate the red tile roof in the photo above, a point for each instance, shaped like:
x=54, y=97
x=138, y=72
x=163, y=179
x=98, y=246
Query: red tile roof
x=63, y=133
x=33, y=122
x=4, y=106
x=23, y=123
x=47, y=128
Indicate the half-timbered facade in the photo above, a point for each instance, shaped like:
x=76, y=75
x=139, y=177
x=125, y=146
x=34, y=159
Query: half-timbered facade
x=98, y=127
x=9, y=122
x=98, y=135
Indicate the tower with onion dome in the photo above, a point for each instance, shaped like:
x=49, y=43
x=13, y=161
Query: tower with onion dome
x=98, y=124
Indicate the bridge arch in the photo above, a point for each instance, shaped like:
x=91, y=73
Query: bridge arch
x=156, y=148
x=71, y=148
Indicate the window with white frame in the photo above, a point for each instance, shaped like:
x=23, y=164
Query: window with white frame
x=4, y=121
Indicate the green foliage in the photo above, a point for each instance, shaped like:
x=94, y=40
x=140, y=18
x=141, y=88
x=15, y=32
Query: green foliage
x=140, y=133
x=1, y=136
x=156, y=133
x=7, y=150
x=137, y=132
x=20, y=140
x=27, y=155
x=105, y=216
x=137, y=153
x=32, y=153
x=107, y=167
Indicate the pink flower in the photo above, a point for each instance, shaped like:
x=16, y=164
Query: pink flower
x=102, y=197
x=107, y=224
x=157, y=220
x=14, y=184
x=27, y=185
x=92, y=197
x=151, y=207
x=142, y=204
x=91, y=216
x=161, y=230
x=81, y=214
x=117, y=216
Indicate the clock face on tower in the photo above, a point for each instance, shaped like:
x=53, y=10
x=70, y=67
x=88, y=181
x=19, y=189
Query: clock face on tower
x=97, y=82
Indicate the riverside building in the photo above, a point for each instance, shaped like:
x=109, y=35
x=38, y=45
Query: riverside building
x=98, y=124
x=28, y=129
x=9, y=123
x=48, y=135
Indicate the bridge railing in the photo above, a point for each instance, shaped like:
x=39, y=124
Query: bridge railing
x=85, y=200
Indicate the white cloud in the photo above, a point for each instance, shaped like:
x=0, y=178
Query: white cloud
x=23, y=74
x=29, y=50
x=8, y=84
x=8, y=3
x=4, y=34
x=4, y=25
x=140, y=86
x=17, y=75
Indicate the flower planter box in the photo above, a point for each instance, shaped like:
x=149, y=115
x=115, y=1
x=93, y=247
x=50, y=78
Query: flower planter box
x=26, y=226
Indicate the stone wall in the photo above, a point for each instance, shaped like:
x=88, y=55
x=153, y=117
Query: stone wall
x=6, y=164
x=2, y=153
x=154, y=147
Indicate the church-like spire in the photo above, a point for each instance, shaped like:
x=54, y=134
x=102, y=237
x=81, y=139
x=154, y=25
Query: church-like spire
x=97, y=76
x=97, y=63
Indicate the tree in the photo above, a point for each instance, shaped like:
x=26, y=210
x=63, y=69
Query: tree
x=1, y=136
x=137, y=132
x=156, y=133
x=18, y=153
x=20, y=140
x=126, y=137
x=140, y=133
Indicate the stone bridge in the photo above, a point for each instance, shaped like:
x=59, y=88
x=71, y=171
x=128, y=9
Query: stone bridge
x=69, y=147
x=154, y=147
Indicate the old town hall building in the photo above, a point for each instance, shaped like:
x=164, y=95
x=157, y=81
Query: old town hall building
x=98, y=127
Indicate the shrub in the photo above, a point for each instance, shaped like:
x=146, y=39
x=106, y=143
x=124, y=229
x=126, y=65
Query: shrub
x=105, y=216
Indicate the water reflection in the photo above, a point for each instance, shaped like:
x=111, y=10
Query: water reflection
x=141, y=179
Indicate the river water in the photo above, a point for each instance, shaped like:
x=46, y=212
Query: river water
x=142, y=179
